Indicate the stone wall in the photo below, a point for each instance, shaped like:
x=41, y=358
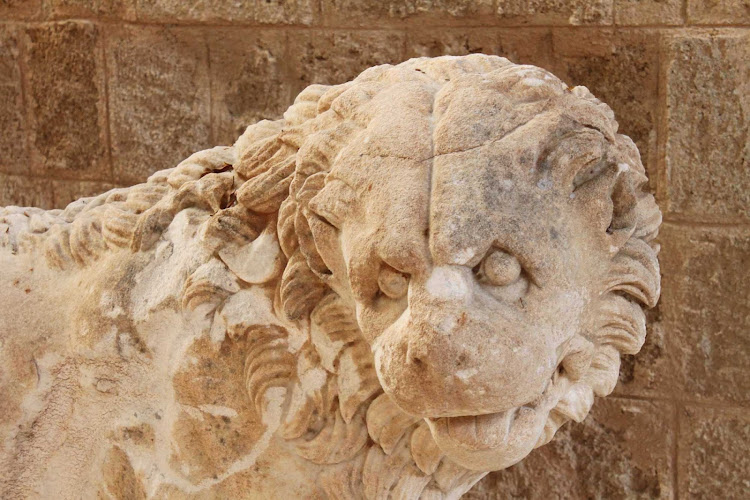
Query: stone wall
x=99, y=93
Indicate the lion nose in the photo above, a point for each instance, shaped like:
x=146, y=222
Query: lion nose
x=438, y=309
x=427, y=335
x=416, y=353
x=444, y=299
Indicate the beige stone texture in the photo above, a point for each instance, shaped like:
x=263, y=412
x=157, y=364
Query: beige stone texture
x=648, y=12
x=285, y=12
x=708, y=94
x=37, y=192
x=252, y=86
x=718, y=11
x=363, y=13
x=520, y=45
x=159, y=94
x=709, y=346
x=66, y=192
x=102, y=9
x=178, y=10
x=555, y=12
x=67, y=108
x=714, y=463
x=337, y=56
x=25, y=191
x=412, y=279
x=697, y=345
x=13, y=152
x=242, y=11
x=22, y=10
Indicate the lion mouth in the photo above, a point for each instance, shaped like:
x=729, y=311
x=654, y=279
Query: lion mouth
x=484, y=432
x=495, y=441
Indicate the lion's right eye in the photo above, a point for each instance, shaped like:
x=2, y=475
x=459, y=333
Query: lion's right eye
x=392, y=283
x=499, y=268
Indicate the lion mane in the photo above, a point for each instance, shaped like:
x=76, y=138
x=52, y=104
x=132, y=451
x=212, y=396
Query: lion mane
x=259, y=235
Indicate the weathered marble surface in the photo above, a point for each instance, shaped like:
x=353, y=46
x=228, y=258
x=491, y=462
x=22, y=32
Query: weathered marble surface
x=410, y=280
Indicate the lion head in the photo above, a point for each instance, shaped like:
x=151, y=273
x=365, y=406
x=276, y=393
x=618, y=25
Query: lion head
x=487, y=227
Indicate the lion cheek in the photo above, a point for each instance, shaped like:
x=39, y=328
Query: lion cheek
x=391, y=356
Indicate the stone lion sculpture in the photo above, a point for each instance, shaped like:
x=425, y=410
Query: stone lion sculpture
x=410, y=280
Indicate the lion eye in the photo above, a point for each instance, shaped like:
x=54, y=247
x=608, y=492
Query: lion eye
x=392, y=283
x=500, y=268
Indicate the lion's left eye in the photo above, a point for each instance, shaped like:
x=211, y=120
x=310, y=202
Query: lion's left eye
x=393, y=283
x=499, y=268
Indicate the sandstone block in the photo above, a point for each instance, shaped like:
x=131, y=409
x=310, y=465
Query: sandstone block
x=718, y=11
x=336, y=56
x=13, y=155
x=622, y=450
x=369, y=14
x=25, y=191
x=705, y=312
x=119, y=9
x=545, y=12
x=67, y=109
x=285, y=12
x=68, y=191
x=708, y=133
x=621, y=69
x=177, y=10
x=638, y=12
x=20, y=9
x=696, y=346
x=713, y=461
x=520, y=45
x=159, y=98
x=242, y=11
x=249, y=82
